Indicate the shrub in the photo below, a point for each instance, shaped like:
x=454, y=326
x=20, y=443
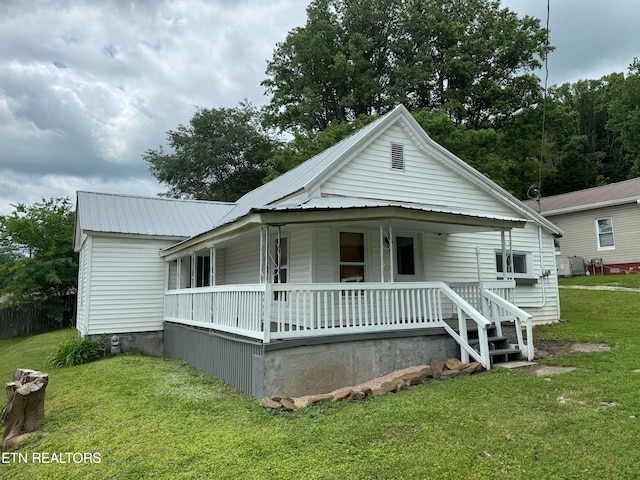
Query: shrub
x=76, y=352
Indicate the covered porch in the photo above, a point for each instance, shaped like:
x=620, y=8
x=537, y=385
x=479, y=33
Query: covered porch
x=351, y=274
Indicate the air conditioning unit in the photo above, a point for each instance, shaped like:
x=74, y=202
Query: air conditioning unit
x=571, y=266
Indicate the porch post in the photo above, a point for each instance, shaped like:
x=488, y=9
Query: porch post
x=504, y=255
x=178, y=273
x=263, y=275
x=391, y=251
x=381, y=253
x=212, y=266
x=512, y=276
x=194, y=270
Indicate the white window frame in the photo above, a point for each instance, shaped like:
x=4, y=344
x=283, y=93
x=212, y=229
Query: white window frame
x=341, y=263
x=528, y=256
x=599, y=233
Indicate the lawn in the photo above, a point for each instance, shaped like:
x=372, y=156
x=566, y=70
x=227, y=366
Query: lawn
x=156, y=418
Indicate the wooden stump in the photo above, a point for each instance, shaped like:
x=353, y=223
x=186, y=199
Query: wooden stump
x=24, y=412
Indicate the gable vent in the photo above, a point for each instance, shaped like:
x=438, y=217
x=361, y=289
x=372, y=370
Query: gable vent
x=397, y=156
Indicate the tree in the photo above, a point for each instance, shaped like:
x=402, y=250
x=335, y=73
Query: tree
x=39, y=266
x=220, y=155
x=470, y=58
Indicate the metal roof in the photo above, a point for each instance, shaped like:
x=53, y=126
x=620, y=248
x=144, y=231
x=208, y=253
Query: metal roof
x=596, y=197
x=303, y=175
x=155, y=216
x=333, y=203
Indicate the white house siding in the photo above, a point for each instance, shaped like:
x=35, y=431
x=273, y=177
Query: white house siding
x=324, y=262
x=127, y=281
x=242, y=263
x=300, y=248
x=423, y=180
x=581, y=238
x=443, y=256
x=83, y=285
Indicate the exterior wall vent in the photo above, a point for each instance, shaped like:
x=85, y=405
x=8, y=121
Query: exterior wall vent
x=397, y=156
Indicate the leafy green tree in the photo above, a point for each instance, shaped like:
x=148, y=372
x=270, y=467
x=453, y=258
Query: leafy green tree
x=38, y=265
x=220, y=155
x=470, y=58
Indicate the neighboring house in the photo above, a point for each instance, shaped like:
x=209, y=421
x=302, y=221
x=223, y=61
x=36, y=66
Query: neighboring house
x=380, y=253
x=601, y=225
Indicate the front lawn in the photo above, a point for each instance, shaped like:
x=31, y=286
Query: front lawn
x=156, y=418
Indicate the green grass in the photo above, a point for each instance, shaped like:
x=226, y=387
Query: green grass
x=628, y=281
x=157, y=418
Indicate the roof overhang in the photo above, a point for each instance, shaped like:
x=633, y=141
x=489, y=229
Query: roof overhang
x=591, y=206
x=432, y=219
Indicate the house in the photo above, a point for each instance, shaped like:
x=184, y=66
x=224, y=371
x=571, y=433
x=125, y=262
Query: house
x=380, y=253
x=600, y=224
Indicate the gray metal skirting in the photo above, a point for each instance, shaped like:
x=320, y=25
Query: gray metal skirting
x=236, y=361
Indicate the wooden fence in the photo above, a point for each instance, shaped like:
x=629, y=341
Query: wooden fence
x=18, y=322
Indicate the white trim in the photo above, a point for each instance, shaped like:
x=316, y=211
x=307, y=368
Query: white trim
x=598, y=233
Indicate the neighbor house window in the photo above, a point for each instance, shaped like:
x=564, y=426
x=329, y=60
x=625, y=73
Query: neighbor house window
x=604, y=230
x=351, y=257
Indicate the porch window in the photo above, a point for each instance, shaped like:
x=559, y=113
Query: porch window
x=604, y=230
x=405, y=256
x=522, y=267
x=203, y=267
x=351, y=257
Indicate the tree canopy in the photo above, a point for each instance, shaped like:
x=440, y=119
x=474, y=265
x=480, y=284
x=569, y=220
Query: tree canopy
x=220, y=155
x=472, y=59
x=38, y=266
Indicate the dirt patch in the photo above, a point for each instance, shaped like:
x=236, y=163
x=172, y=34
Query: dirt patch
x=553, y=348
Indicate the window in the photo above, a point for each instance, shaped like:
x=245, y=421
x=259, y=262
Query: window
x=405, y=256
x=397, y=156
x=604, y=230
x=522, y=267
x=351, y=257
x=203, y=271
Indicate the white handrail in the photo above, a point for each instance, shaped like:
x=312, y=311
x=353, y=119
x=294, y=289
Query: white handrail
x=497, y=303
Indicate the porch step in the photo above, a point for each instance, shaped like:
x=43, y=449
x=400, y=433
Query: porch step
x=500, y=350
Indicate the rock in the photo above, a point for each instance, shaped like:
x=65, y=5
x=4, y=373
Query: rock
x=357, y=396
x=342, y=395
x=425, y=373
x=378, y=392
x=367, y=391
x=437, y=365
x=318, y=398
x=453, y=363
x=470, y=368
x=411, y=379
x=390, y=386
x=270, y=403
x=449, y=373
x=288, y=404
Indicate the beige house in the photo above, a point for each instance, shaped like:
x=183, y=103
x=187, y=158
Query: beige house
x=600, y=225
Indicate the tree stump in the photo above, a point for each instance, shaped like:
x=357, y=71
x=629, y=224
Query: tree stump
x=24, y=412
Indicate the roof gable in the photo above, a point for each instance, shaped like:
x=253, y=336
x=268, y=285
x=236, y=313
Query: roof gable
x=306, y=178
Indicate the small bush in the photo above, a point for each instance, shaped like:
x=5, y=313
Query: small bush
x=76, y=352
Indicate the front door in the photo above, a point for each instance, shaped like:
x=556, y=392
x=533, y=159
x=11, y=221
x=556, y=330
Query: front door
x=408, y=258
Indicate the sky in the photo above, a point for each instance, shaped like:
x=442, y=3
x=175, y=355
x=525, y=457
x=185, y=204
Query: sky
x=86, y=87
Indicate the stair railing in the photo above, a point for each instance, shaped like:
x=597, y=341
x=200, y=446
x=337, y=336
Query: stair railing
x=500, y=310
x=466, y=311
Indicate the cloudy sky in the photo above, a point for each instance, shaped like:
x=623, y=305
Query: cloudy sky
x=87, y=86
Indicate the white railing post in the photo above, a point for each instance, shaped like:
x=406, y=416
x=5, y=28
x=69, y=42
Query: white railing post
x=462, y=329
x=266, y=312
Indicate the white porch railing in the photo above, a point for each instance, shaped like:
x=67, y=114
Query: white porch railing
x=313, y=310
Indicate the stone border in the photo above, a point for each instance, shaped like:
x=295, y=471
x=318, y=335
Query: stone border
x=391, y=383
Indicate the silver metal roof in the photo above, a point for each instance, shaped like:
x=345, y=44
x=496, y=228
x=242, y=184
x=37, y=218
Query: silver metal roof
x=304, y=174
x=156, y=216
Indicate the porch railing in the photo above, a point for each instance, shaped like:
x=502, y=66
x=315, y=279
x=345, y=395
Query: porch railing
x=281, y=311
